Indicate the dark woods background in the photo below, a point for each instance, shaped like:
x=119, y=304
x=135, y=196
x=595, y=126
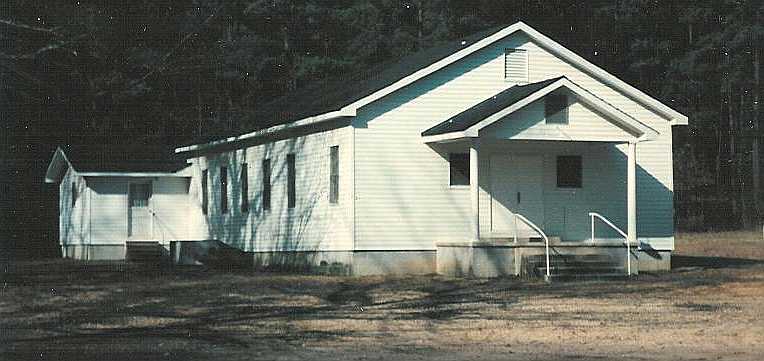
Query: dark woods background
x=138, y=78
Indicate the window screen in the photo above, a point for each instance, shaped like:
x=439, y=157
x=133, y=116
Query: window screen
x=244, y=182
x=569, y=171
x=334, y=174
x=459, y=164
x=223, y=189
x=266, y=184
x=556, y=109
x=516, y=66
x=291, y=181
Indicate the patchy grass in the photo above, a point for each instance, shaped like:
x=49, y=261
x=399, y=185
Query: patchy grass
x=59, y=310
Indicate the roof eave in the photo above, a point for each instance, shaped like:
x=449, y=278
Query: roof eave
x=276, y=129
x=59, y=158
x=670, y=114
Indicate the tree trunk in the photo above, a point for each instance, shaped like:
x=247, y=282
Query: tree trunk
x=755, y=152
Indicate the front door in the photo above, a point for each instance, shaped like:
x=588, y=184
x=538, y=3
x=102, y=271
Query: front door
x=516, y=186
x=139, y=211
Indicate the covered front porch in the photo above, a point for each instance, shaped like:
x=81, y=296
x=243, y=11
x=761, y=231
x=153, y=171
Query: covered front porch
x=547, y=189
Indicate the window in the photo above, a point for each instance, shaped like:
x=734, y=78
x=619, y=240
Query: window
x=223, y=190
x=334, y=174
x=459, y=164
x=569, y=171
x=556, y=109
x=139, y=194
x=205, y=200
x=74, y=194
x=266, y=184
x=516, y=66
x=244, y=181
x=290, y=181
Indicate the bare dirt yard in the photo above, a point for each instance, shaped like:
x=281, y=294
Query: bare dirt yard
x=711, y=306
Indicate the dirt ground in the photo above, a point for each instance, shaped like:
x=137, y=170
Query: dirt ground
x=709, y=307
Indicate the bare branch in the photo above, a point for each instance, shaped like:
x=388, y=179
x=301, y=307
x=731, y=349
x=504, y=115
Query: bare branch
x=29, y=27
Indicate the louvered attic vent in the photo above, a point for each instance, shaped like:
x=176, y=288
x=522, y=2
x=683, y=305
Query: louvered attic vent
x=516, y=66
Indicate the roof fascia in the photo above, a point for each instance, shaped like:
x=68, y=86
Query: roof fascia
x=599, y=104
x=444, y=138
x=134, y=174
x=58, y=157
x=269, y=131
x=673, y=116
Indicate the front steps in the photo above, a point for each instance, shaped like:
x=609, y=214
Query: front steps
x=571, y=267
x=149, y=252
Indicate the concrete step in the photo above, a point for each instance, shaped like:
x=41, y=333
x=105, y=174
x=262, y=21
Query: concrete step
x=144, y=251
x=574, y=267
x=587, y=277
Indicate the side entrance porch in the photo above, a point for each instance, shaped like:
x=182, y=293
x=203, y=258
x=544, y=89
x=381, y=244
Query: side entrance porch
x=552, y=176
x=567, y=202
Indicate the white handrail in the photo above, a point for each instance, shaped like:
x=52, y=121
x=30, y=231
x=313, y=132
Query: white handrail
x=622, y=233
x=540, y=232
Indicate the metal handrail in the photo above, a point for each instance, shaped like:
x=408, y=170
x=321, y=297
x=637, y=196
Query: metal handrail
x=622, y=233
x=540, y=232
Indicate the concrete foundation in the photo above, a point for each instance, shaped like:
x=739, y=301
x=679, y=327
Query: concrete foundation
x=321, y=262
x=393, y=263
x=94, y=252
x=495, y=259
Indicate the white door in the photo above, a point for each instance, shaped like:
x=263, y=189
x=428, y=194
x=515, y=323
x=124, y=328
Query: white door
x=139, y=211
x=516, y=186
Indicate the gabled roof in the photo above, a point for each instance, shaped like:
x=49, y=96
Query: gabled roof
x=345, y=96
x=97, y=161
x=469, y=122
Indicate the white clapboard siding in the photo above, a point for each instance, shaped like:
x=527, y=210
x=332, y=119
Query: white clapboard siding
x=74, y=227
x=403, y=200
x=528, y=123
x=313, y=224
x=109, y=210
x=169, y=201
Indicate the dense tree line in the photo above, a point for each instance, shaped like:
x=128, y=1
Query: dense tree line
x=146, y=75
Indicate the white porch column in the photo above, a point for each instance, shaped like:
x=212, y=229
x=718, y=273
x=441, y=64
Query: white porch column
x=475, y=189
x=631, y=190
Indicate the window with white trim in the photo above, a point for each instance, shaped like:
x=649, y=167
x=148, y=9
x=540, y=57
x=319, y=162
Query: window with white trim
x=459, y=169
x=556, y=108
x=205, y=199
x=334, y=174
x=223, y=189
x=74, y=194
x=569, y=171
x=244, y=181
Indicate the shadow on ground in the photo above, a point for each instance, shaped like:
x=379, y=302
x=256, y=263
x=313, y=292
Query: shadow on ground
x=678, y=261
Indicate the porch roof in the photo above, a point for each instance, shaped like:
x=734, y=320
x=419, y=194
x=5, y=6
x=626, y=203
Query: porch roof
x=482, y=110
x=470, y=121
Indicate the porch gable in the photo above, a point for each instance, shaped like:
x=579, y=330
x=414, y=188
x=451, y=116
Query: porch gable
x=518, y=113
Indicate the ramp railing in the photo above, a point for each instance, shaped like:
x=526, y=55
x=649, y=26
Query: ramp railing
x=594, y=215
x=540, y=232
